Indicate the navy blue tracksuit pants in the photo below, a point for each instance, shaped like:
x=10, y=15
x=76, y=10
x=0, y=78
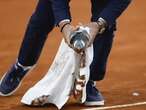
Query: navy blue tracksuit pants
x=41, y=23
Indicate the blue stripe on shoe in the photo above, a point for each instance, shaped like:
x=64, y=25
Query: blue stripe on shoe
x=12, y=80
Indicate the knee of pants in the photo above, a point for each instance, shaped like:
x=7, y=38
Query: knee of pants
x=38, y=23
x=34, y=39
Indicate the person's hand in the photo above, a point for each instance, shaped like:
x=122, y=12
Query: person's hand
x=93, y=31
x=66, y=29
x=95, y=28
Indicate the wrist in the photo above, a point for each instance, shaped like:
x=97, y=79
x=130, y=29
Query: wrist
x=102, y=25
x=63, y=24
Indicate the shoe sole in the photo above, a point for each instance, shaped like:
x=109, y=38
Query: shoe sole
x=12, y=92
x=94, y=103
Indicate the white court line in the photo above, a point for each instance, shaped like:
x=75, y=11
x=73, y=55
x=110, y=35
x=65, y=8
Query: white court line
x=116, y=106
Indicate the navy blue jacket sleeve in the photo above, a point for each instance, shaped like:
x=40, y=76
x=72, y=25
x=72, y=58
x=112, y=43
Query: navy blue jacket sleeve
x=61, y=10
x=113, y=10
x=110, y=13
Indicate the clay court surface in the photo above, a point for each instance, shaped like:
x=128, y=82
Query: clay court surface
x=126, y=72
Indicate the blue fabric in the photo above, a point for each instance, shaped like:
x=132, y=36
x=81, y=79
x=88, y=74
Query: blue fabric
x=61, y=10
x=110, y=10
x=40, y=24
x=102, y=46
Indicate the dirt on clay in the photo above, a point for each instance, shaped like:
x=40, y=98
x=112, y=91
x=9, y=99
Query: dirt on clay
x=126, y=71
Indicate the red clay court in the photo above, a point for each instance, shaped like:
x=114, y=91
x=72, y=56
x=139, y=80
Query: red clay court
x=126, y=72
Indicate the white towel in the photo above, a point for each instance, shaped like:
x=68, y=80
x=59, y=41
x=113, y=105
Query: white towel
x=58, y=81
